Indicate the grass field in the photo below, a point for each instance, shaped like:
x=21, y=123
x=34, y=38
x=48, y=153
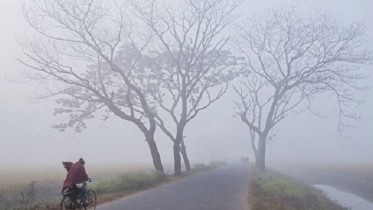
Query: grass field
x=25, y=186
x=274, y=191
x=39, y=188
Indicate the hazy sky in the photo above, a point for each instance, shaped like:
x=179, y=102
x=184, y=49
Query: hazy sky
x=26, y=136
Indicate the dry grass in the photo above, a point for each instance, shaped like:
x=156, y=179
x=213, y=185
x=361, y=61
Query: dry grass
x=47, y=182
x=273, y=191
x=24, y=175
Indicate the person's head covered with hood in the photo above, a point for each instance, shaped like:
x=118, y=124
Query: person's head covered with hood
x=82, y=161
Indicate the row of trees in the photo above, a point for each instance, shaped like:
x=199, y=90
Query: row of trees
x=154, y=62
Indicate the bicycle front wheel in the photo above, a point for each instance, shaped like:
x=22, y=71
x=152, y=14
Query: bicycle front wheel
x=92, y=199
x=65, y=203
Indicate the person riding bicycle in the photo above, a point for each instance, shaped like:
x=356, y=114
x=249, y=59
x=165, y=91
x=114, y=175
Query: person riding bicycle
x=76, y=175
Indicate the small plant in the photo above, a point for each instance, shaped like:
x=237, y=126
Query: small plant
x=27, y=195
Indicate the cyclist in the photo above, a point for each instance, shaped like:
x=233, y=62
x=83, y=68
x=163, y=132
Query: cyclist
x=76, y=175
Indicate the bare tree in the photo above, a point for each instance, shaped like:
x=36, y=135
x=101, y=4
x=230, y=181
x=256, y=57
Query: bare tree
x=289, y=60
x=192, y=68
x=76, y=53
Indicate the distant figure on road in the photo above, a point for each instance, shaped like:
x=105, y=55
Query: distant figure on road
x=76, y=175
x=245, y=160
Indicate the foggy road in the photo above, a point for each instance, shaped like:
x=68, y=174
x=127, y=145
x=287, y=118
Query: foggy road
x=224, y=188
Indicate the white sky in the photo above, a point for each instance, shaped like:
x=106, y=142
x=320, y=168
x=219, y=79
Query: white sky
x=27, y=138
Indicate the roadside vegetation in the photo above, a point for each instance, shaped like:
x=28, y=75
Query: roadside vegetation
x=273, y=191
x=133, y=182
x=356, y=179
x=44, y=194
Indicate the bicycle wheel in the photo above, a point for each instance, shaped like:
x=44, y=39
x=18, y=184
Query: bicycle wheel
x=65, y=203
x=92, y=199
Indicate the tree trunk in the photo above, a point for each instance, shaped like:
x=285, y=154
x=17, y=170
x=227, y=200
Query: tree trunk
x=177, y=158
x=261, y=156
x=155, y=154
x=185, y=156
x=253, y=145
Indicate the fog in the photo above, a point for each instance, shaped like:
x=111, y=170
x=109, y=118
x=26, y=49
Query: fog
x=26, y=136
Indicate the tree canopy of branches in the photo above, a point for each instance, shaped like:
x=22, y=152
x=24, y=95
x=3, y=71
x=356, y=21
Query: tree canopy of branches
x=76, y=53
x=192, y=67
x=289, y=60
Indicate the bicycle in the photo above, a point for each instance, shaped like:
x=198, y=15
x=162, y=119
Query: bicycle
x=72, y=199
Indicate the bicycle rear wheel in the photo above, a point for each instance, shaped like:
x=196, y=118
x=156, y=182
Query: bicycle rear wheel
x=92, y=199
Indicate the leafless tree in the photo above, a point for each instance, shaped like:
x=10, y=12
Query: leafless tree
x=192, y=67
x=76, y=53
x=289, y=60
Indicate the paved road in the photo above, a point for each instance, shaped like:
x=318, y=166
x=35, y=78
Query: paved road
x=224, y=188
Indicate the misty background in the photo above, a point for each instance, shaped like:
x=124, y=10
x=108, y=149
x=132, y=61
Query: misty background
x=26, y=136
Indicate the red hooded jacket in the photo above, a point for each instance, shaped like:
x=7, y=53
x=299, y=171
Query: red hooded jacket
x=76, y=174
x=67, y=165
